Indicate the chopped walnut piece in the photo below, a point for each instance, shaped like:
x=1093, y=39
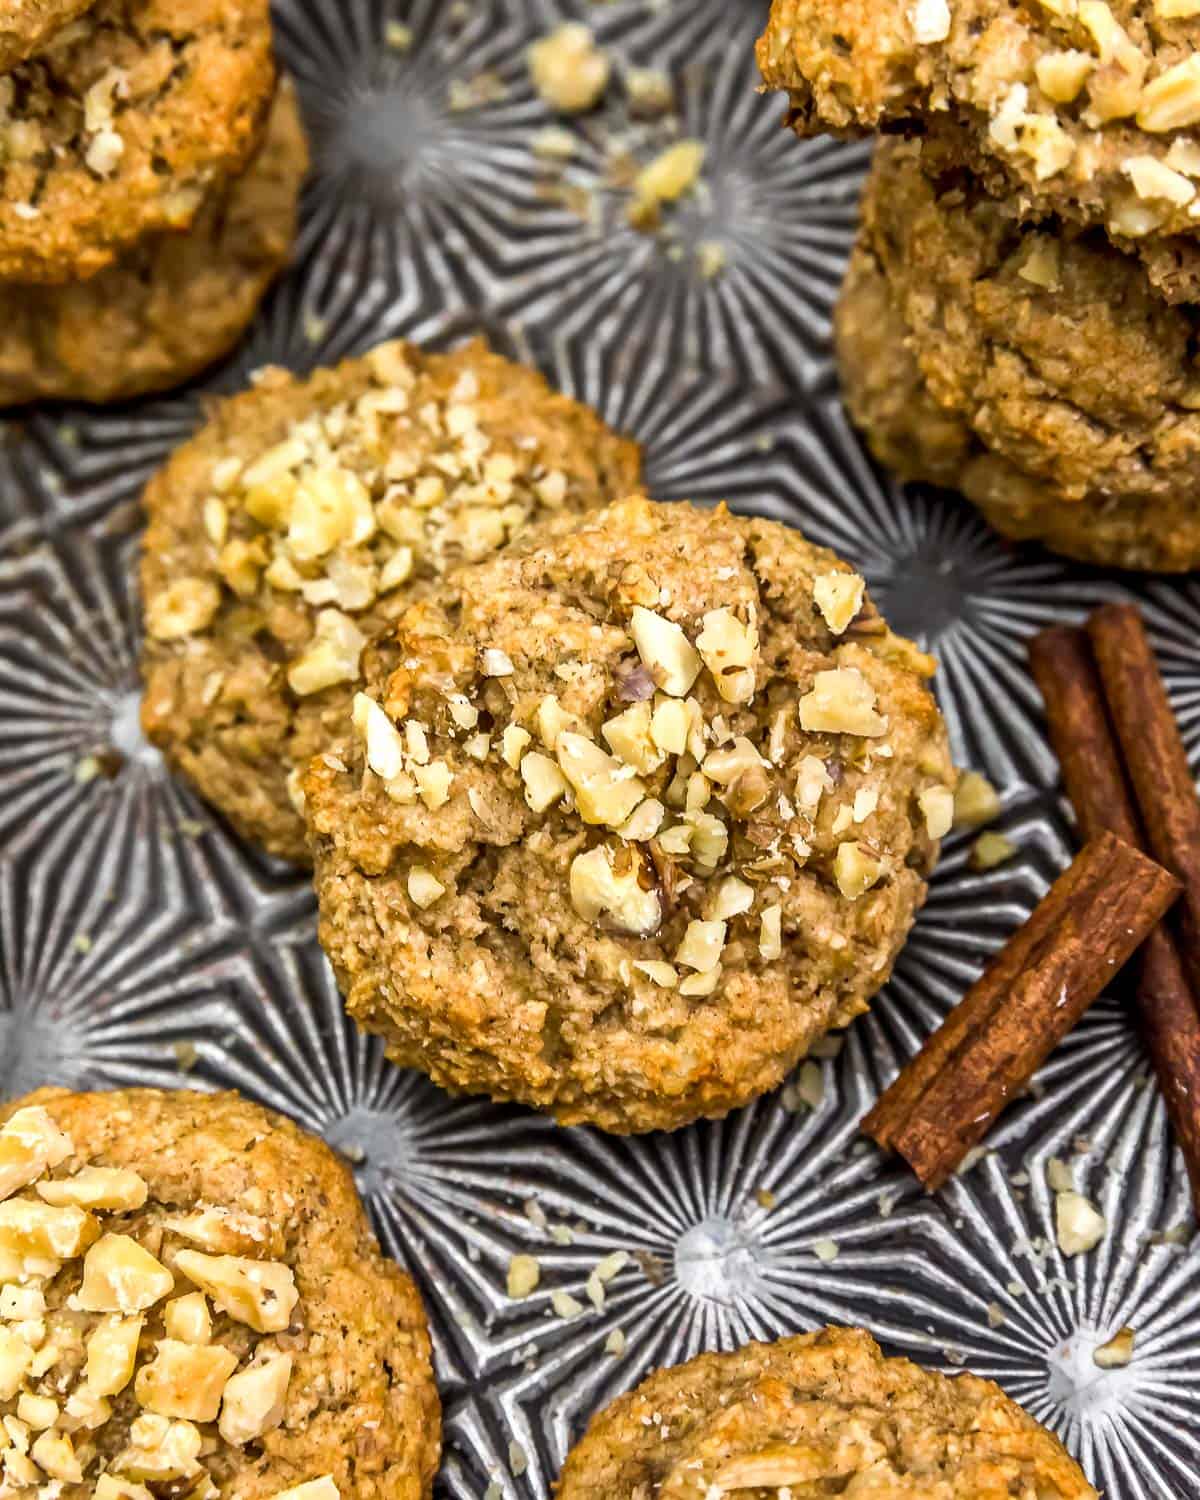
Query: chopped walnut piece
x=701, y=946
x=1153, y=179
x=312, y=1489
x=228, y=1231
x=30, y=1145
x=841, y=701
x=16, y=1356
x=384, y=747
x=937, y=805
x=671, y=174
x=644, y=823
x=36, y=1229
x=665, y=650
x=261, y=1294
x=930, y=23
x=569, y=71
x=111, y=1355
x=629, y=738
x=856, y=869
x=1078, y=1225
x=770, y=935
x=183, y=608
x=513, y=744
x=331, y=657
x=731, y=898
x=663, y=974
x=55, y=1454
x=254, y=1399
x=672, y=724
x=160, y=1449
x=113, y=1188
x=185, y=1380
x=729, y=650
x=839, y=597
x=606, y=792
x=424, y=888
x=812, y=782
x=120, y=1277
x=1062, y=75
x=187, y=1320
x=599, y=889
x=701, y=983
x=545, y=784
x=109, y=1487
x=1172, y=100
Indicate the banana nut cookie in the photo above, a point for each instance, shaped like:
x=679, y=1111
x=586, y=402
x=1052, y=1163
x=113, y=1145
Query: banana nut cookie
x=818, y=1414
x=304, y=516
x=1040, y=374
x=25, y=25
x=192, y=1305
x=628, y=818
x=122, y=124
x=172, y=305
x=1082, y=108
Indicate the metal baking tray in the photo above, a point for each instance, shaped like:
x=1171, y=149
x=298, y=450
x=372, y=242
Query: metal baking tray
x=139, y=943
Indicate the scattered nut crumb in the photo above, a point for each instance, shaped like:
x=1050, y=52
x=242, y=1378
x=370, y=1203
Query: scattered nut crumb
x=672, y=173
x=1079, y=1226
x=650, y=92
x=524, y=1273
x=1117, y=1352
x=397, y=36
x=990, y=850
x=564, y=1305
x=976, y=801
x=826, y=1250
x=568, y=70
x=614, y=1344
x=765, y=1198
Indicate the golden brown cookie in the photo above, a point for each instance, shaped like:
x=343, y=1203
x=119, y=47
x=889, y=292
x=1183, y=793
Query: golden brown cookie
x=306, y=515
x=192, y=1303
x=819, y=1414
x=1086, y=111
x=1039, y=373
x=122, y=124
x=26, y=25
x=171, y=306
x=627, y=819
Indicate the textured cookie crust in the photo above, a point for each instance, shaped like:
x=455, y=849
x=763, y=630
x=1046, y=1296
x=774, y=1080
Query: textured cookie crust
x=171, y=306
x=254, y=625
x=820, y=1414
x=26, y=25
x=640, y=938
x=218, y=1177
x=1041, y=375
x=1087, y=111
x=122, y=124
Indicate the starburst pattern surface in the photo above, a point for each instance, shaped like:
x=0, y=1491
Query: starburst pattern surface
x=140, y=942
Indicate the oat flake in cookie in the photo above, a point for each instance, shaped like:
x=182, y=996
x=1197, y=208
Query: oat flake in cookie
x=626, y=820
x=1083, y=108
x=820, y=1414
x=122, y=124
x=1040, y=374
x=192, y=1304
x=307, y=514
x=171, y=306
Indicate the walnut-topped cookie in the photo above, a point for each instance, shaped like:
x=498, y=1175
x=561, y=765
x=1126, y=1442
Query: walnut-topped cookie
x=309, y=513
x=818, y=1414
x=624, y=821
x=1083, y=108
x=192, y=1305
x=121, y=125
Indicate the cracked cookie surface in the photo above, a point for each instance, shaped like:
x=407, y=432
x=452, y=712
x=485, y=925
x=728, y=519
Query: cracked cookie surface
x=1083, y=108
x=1039, y=373
x=625, y=820
x=121, y=125
x=820, y=1414
x=174, y=304
x=192, y=1302
x=307, y=514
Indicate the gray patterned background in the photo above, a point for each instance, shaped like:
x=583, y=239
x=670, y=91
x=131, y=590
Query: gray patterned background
x=139, y=942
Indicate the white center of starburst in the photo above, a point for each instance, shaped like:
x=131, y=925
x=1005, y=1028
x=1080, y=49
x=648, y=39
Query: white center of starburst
x=718, y=1261
x=1079, y=1385
x=379, y=1146
x=125, y=731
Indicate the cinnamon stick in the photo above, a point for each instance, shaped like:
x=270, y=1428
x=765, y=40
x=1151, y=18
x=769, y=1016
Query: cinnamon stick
x=1088, y=925
x=1158, y=765
x=1083, y=738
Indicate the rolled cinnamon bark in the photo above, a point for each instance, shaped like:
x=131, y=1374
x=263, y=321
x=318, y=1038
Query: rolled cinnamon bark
x=1089, y=924
x=1158, y=765
x=1084, y=740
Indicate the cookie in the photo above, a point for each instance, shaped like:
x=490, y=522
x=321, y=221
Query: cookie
x=122, y=124
x=303, y=517
x=26, y=25
x=819, y=1414
x=193, y=1303
x=1084, y=111
x=171, y=306
x=1039, y=373
x=629, y=818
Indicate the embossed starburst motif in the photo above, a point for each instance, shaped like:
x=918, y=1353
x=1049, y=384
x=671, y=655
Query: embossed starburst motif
x=140, y=942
